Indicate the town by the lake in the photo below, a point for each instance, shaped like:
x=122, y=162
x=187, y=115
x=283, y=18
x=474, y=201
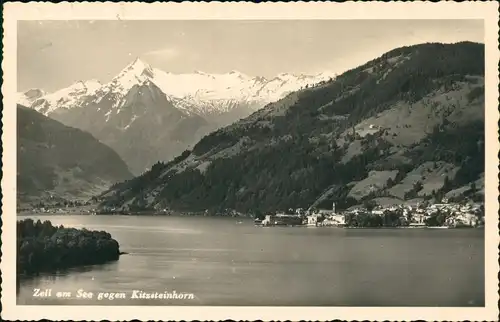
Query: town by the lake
x=409, y=215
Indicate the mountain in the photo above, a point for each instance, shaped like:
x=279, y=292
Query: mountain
x=198, y=92
x=66, y=98
x=220, y=93
x=142, y=126
x=27, y=98
x=62, y=162
x=147, y=115
x=407, y=125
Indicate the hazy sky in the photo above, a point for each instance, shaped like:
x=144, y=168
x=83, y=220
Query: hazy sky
x=54, y=54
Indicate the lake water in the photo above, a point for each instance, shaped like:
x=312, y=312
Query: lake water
x=229, y=261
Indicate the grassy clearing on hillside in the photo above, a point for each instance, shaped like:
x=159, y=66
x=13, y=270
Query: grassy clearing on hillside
x=431, y=176
x=333, y=135
x=376, y=181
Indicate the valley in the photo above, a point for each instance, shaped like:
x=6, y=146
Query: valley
x=148, y=115
x=59, y=164
x=405, y=127
x=408, y=125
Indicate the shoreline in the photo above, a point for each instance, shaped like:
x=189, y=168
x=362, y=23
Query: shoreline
x=90, y=210
x=44, y=247
x=82, y=212
x=27, y=215
x=396, y=227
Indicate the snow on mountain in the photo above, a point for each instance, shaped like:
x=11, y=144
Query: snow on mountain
x=136, y=73
x=197, y=92
x=147, y=115
x=216, y=92
x=27, y=98
x=232, y=85
x=276, y=88
x=66, y=98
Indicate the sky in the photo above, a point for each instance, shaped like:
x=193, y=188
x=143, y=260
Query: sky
x=54, y=54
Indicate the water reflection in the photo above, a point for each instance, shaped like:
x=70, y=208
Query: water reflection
x=222, y=262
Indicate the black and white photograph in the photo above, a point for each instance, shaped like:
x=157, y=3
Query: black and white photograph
x=250, y=162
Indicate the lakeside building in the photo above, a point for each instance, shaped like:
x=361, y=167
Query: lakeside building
x=312, y=220
x=335, y=220
x=455, y=214
x=326, y=212
x=317, y=217
x=410, y=215
x=282, y=219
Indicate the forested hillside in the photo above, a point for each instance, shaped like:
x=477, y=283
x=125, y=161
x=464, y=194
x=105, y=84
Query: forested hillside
x=409, y=124
x=56, y=161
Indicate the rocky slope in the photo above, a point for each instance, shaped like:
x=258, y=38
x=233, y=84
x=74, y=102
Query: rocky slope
x=147, y=115
x=409, y=124
x=27, y=98
x=199, y=93
x=55, y=161
x=144, y=128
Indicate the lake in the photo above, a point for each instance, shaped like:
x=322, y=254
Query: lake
x=229, y=261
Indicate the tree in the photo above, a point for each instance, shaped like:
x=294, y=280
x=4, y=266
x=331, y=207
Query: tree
x=48, y=247
x=473, y=187
x=446, y=184
x=369, y=205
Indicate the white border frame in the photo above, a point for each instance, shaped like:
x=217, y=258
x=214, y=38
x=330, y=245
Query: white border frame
x=487, y=11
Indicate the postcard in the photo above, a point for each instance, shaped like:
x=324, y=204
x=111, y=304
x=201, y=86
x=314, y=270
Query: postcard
x=244, y=161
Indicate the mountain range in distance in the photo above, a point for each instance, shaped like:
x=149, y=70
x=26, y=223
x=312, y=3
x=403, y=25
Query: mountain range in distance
x=148, y=115
x=406, y=126
x=59, y=163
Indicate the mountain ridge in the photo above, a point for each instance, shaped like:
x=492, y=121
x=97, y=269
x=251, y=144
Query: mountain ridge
x=228, y=87
x=386, y=131
x=56, y=161
x=134, y=113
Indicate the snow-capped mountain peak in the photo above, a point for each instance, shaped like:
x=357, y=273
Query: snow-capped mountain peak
x=136, y=73
x=27, y=98
x=238, y=74
x=133, y=72
x=138, y=68
x=137, y=65
x=284, y=75
x=89, y=86
x=66, y=98
x=147, y=114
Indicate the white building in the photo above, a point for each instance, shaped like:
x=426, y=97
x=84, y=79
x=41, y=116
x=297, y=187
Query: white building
x=268, y=220
x=312, y=220
x=337, y=220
